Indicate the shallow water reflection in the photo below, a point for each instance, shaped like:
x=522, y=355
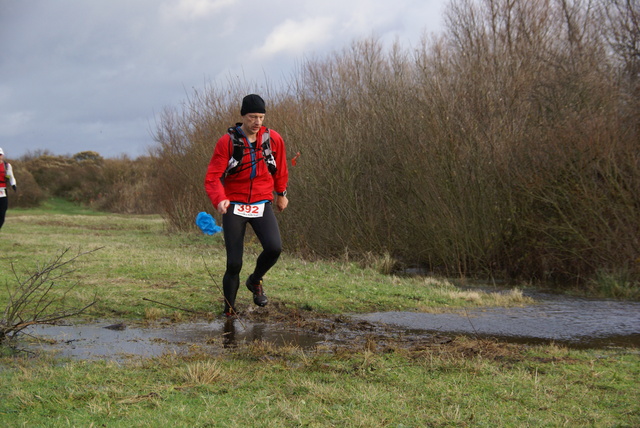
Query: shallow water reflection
x=98, y=341
x=565, y=320
x=571, y=321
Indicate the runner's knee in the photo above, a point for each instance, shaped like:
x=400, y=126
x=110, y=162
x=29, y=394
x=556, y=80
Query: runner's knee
x=234, y=268
x=273, y=252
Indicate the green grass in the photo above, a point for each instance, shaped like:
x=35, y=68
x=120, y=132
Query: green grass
x=57, y=206
x=139, y=258
x=467, y=383
x=464, y=383
x=616, y=285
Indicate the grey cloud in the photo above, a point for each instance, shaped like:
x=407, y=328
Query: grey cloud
x=91, y=75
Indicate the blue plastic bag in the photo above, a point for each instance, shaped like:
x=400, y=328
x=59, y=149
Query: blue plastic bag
x=207, y=223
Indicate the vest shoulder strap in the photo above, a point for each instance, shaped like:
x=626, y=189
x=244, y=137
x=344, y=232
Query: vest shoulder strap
x=238, y=152
x=267, y=153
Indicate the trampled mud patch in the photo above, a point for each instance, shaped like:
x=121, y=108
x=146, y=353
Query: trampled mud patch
x=102, y=340
x=563, y=320
x=122, y=341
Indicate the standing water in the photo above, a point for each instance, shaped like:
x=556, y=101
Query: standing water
x=572, y=321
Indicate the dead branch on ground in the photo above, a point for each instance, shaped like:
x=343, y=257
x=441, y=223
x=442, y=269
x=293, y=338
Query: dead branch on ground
x=40, y=298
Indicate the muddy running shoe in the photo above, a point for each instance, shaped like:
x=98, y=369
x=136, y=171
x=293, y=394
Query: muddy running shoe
x=259, y=298
x=229, y=311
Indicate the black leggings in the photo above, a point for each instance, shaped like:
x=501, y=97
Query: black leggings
x=4, y=204
x=234, y=228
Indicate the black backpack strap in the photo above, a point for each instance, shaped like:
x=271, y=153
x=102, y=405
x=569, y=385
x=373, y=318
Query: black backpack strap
x=235, y=164
x=267, y=153
x=238, y=151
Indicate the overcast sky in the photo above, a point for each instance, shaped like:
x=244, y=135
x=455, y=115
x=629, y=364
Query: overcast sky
x=80, y=75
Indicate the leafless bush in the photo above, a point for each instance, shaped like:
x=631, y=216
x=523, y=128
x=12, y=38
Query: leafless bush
x=120, y=185
x=505, y=147
x=130, y=186
x=186, y=139
x=29, y=193
x=40, y=298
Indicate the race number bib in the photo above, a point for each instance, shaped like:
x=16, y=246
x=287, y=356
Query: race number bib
x=252, y=211
x=3, y=192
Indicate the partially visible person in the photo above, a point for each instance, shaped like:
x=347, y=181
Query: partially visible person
x=6, y=179
x=248, y=166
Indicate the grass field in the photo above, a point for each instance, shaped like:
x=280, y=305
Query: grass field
x=466, y=382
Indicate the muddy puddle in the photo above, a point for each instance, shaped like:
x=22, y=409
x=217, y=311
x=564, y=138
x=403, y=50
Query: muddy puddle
x=119, y=342
x=105, y=340
x=572, y=322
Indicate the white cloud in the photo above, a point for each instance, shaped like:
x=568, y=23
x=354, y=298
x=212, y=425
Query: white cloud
x=91, y=75
x=189, y=10
x=296, y=36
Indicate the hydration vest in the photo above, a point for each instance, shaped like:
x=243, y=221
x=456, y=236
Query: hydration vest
x=236, y=164
x=3, y=174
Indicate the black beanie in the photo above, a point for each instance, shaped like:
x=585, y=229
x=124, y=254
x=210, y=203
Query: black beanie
x=252, y=104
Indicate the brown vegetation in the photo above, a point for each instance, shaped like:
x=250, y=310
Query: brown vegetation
x=115, y=185
x=39, y=298
x=506, y=147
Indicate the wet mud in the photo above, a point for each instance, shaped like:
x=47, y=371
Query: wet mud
x=122, y=341
x=572, y=322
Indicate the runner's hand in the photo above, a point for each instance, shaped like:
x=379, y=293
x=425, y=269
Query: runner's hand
x=222, y=206
x=281, y=203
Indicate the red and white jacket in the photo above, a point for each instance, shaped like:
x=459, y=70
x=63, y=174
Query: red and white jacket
x=6, y=178
x=240, y=187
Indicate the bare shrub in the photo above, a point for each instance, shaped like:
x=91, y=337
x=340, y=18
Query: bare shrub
x=40, y=298
x=129, y=186
x=50, y=172
x=29, y=193
x=76, y=178
x=505, y=147
x=186, y=139
x=120, y=185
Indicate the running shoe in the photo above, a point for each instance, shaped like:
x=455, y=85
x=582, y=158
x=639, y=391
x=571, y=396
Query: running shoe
x=229, y=311
x=259, y=298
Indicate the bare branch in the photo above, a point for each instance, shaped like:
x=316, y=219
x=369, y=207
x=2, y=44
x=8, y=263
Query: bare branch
x=40, y=298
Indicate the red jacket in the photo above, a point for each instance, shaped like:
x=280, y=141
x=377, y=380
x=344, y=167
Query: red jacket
x=240, y=187
x=3, y=175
